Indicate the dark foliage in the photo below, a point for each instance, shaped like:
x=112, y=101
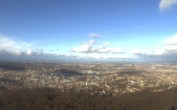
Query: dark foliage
x=54, y=99
x=2, y=88
x=12, y=66
x=67, y=73
x=130, y=72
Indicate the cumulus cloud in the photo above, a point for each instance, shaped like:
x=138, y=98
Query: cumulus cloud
x=168, y=52
x=94, y=35
x=11, y=46
x=170, y=44
x=171, y=40
x=91, y=42
x=90, y=48
x=171, y=48
x=166, y=4
x=29, y=52
x=100, y=56
x=83, y=49
x=104, y=49
x=107, y=56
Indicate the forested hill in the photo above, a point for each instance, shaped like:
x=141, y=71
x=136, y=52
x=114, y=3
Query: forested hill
x=54, y=99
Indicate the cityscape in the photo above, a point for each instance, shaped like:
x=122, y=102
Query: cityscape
x=88, y=55
x=117, y=83
x=108, y=78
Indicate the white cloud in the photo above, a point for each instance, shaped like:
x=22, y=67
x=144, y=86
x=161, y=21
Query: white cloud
x=166, y=4
x=94, y=35
x=29, y=52
x=108, y=56
x=89, y=48
x=83, y=49
x=171, y=40
x=107, y=50
x=107, y=44
x=169, y=46
x=168, y=51
x=170, y=43
x=100, y=55
x=135, y=51
x=18, y=52
x=13, y=47
x=91, y=42
x=157, y=51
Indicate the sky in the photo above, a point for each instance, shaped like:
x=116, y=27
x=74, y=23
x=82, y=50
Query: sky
x=144, y=30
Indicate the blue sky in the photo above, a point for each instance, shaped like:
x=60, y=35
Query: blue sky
x=99, y=29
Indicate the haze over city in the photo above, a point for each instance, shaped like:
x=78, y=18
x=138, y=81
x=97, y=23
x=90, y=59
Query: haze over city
x=138, y=30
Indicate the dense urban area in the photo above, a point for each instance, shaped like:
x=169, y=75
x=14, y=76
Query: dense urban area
x=91, y=79
x=112, y=78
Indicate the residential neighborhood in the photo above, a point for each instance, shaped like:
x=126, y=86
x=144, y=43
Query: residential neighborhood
x=106, y=78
